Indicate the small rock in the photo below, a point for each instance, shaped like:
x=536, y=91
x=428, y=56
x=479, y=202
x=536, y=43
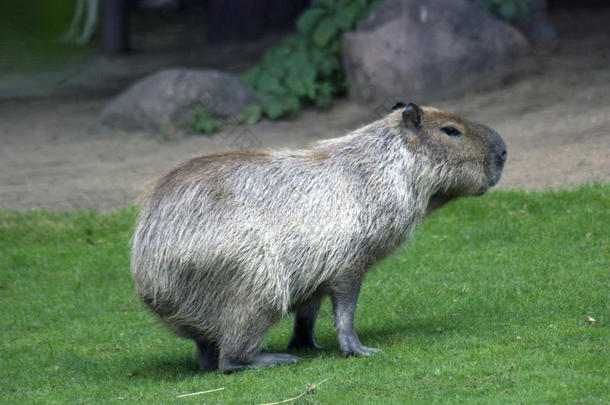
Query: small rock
x=168, y=97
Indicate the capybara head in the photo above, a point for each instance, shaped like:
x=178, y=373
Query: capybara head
x=471, y=154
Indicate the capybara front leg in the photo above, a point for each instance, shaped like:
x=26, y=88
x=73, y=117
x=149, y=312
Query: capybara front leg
x=207, y=354
x=344, y=295
x=304, y=323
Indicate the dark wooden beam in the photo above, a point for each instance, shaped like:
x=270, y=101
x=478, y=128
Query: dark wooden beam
x=115, y=22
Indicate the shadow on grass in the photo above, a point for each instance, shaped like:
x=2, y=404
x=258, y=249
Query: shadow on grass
x=166, y=368
x=393, y=333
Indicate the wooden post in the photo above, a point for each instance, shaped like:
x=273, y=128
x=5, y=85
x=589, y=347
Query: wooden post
x=115, y=21
x=245, y=20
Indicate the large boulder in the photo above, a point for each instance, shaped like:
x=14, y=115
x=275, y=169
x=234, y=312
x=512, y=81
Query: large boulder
x=536, y=25
x=420, y=50
x=169, y=97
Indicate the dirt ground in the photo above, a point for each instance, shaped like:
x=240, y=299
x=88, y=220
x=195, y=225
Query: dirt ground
x=556, y=124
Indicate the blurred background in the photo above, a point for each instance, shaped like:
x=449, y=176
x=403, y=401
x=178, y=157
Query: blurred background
x=99, y=96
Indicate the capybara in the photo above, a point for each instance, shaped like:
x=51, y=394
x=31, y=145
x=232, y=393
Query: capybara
x=229, y=243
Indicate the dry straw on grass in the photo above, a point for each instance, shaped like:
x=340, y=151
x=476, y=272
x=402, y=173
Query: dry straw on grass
x=311, y=388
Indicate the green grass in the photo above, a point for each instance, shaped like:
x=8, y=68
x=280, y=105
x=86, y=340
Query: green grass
x=488, y=303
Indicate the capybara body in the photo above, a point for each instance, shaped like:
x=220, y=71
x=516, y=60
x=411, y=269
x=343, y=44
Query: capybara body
x=227, y=244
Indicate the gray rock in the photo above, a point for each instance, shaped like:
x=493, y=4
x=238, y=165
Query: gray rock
x=169, y=96
x=535, y=24
x=417, y=50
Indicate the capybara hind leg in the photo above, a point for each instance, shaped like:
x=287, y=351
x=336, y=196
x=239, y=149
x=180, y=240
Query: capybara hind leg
x=241, y=340
x=304, y=323
x=240, y=345
x=207, y=354
x=237, y=357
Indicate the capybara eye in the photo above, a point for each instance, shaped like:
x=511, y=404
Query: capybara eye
x=451, y=131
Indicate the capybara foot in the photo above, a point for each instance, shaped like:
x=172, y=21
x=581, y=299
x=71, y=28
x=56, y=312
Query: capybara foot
x=261, y=359
x=351, y=346
x=300, y=342
x=268, y=359
x=360, y=350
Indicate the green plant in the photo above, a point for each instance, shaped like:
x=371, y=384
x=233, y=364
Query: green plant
x=203, y=122
x=306, y=66
x=166, y=132
x=507, y=9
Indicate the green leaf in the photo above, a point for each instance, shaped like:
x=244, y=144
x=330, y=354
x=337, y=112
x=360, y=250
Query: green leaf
x=203, y=121
x=323, y=3
x=343, y=3
x=324, y=97
x=335, y=46
x=523, y=7
x=346, y=17
x=207, y=126
x=508, y=9
x=324, y=32
x=317, y=55
x=329, y=65
x=292, y=104
x=252, y=75
x=308, y=20
x=274, y=107
x=270, y=84
x=253, y=114
x=296, y=84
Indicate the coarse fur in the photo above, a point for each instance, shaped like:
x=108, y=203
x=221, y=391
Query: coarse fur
x=229, y=243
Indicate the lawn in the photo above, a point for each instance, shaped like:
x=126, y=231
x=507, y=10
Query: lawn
x=488, y=303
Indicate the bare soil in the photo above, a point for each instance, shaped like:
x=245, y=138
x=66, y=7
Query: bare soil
x=556, y=124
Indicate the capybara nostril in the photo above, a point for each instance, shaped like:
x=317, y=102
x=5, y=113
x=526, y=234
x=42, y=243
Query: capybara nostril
x=503, y=156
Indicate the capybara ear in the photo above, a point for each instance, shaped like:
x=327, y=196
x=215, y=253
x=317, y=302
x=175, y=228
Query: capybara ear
x=412, y=116
x=399, y=104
